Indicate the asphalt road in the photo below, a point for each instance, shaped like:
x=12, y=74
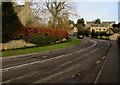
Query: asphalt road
x=77, y=64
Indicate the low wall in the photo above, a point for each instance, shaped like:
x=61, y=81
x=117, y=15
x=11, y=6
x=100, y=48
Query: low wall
x=114, y=36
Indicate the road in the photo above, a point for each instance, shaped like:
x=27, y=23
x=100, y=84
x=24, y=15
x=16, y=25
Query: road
x=77, y=64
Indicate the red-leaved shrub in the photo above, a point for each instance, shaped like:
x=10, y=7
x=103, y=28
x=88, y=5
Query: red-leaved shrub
x=32, y=31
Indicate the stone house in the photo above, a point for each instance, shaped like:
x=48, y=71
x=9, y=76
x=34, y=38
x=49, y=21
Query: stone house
x=25, y=14
x=103, y=27
x=73, y=31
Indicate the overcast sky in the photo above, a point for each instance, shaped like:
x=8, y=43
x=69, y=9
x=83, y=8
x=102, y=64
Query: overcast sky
x=106, y=10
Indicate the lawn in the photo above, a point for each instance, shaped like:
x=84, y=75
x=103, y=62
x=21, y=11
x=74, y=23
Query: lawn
x=41, y=49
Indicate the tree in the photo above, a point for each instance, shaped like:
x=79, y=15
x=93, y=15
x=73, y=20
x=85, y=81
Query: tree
x=116, y=25
x=85, y=31
x=97, y=21
x=80, y=24
x=116, y=28
x=81, y=21
x=55, y=8
x=57, y=12
x=50, y=23
x=10, y=21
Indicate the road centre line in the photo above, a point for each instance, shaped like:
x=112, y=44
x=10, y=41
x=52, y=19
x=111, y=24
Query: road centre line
x=59, y=66
x=6, y=69
x=29, y=54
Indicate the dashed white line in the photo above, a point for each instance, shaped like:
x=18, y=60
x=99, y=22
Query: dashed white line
x=6, y=69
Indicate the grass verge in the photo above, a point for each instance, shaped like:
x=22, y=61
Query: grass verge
x=41, y=49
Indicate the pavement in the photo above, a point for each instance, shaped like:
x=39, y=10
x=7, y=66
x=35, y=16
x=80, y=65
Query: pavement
x=93, y=61
x=109, y=72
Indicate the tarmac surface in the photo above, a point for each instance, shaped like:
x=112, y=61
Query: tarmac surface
x=94, y=61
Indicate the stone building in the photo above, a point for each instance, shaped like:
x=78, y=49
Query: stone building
x=109, y=23
x=25, y=14
x=103, y=27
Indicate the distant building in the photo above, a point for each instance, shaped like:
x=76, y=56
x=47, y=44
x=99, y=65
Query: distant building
x=109, y=31
x=73, y=31
x=89, y=23
x=103, y=27
x=99, y=29
x=109, y=23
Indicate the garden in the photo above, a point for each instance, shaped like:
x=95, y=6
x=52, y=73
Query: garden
x=36, y=36
x=37, y=39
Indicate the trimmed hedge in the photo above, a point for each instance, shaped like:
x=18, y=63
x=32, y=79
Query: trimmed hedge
x=40, y=35
x=46, y=39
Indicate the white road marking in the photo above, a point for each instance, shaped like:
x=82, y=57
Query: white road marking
x=96, y=80
x=44, y=56
x=97, y=61
x=73, y=76
x=30, y=54
x=23, y=65
x=103, y=57
x=21, y=77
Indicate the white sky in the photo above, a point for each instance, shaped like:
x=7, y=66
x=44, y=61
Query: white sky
x=67, y=0
x=106, y=10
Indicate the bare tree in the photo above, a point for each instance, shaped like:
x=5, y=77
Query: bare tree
x=56, y=12
x=34, y=19
x=55, y=8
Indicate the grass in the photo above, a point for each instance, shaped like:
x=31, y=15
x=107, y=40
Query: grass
x=41, y=49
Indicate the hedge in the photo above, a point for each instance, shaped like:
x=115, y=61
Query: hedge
x=40, y=35
x=45, y=39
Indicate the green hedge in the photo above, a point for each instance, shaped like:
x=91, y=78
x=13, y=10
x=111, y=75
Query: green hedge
x=43, y=39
